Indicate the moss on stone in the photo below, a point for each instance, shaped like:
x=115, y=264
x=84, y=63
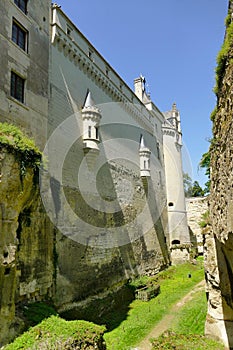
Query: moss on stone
x=13, y=139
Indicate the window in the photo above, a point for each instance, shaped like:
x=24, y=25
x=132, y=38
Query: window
x=17, y=87
x=176, y=241
x=19, y=35
x=69, y=30
x=89, y=131
x=97, y=133
x=22, y=4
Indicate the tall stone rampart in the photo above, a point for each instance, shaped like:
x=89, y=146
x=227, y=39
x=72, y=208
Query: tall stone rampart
x=219, y=239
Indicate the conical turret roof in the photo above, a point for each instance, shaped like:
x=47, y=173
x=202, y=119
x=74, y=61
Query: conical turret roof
x=89, y=102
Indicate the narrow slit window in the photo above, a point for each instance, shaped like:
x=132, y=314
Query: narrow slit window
x=89, y=131
x=97, y=133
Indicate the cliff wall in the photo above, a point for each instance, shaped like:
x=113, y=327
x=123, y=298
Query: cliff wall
x=219, y=241
x=26, y=244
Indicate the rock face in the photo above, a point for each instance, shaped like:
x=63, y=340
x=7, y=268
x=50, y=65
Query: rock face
x=26, y=245
x=219, y=241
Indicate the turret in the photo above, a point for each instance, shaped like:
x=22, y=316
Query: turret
x=177, y=216
x=91, y=118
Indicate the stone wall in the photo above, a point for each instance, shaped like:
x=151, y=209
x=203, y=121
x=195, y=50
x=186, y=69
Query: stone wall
x=26, y=245
x=31, y=64
x=219, y=239
x=196, y=207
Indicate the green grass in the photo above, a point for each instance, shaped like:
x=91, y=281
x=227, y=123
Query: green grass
x=190, y=319
x=171, y=341
x=143, y=316
x=56, y=333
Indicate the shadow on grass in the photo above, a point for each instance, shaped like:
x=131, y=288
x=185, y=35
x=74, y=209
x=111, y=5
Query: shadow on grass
x=110, y=311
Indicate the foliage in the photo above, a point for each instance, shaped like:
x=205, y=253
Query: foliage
x=187, y=185
x=205, y=219
x=170, y=341
x=56, y=333
x=205, y=164
x=142, y=317
x=192, y=189
x=197, y=191
x=223, y=53
x=24, y=148
x=36, y=312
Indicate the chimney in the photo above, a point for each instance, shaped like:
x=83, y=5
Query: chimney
x=139, y=87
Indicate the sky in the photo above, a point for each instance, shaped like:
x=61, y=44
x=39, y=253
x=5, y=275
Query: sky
x=174, y=44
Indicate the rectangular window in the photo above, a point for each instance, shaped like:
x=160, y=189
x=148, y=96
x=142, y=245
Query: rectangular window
x=69, y=30
x=89, y=131
x=19, y=35
x=17, y=87
x=97, y=133
x=22, y=4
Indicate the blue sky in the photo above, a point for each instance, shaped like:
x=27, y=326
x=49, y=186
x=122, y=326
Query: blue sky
x=173, y=43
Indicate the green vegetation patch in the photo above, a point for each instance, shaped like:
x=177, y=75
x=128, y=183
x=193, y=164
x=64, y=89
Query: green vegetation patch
x=142, y=316
x=223, y=53
x=56, y=333
x=170, y=341
x=190, y=319
x=12, y=138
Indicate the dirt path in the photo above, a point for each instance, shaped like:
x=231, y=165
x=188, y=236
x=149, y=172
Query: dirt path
x=166, y=322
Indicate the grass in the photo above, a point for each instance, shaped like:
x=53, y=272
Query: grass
x=56, y=333
x=143, y=316
x=187, y=330
x=171, y=341
x=190, y=319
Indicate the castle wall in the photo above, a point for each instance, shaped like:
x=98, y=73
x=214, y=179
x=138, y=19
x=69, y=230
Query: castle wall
x=30, y=64
x=118, y=226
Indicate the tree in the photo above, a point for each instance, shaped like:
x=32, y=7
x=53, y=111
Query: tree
x=205, y=164
x=187, y=185
x=197, y=191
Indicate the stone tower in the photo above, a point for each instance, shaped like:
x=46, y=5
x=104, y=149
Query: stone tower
x=177, y=216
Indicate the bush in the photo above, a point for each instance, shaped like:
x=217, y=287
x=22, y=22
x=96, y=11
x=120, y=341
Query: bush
x=12, y=138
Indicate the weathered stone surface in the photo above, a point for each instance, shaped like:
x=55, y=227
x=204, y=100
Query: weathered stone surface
x=196, y=207
x=219, y=239
x=38, y=262
x=26, y=262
